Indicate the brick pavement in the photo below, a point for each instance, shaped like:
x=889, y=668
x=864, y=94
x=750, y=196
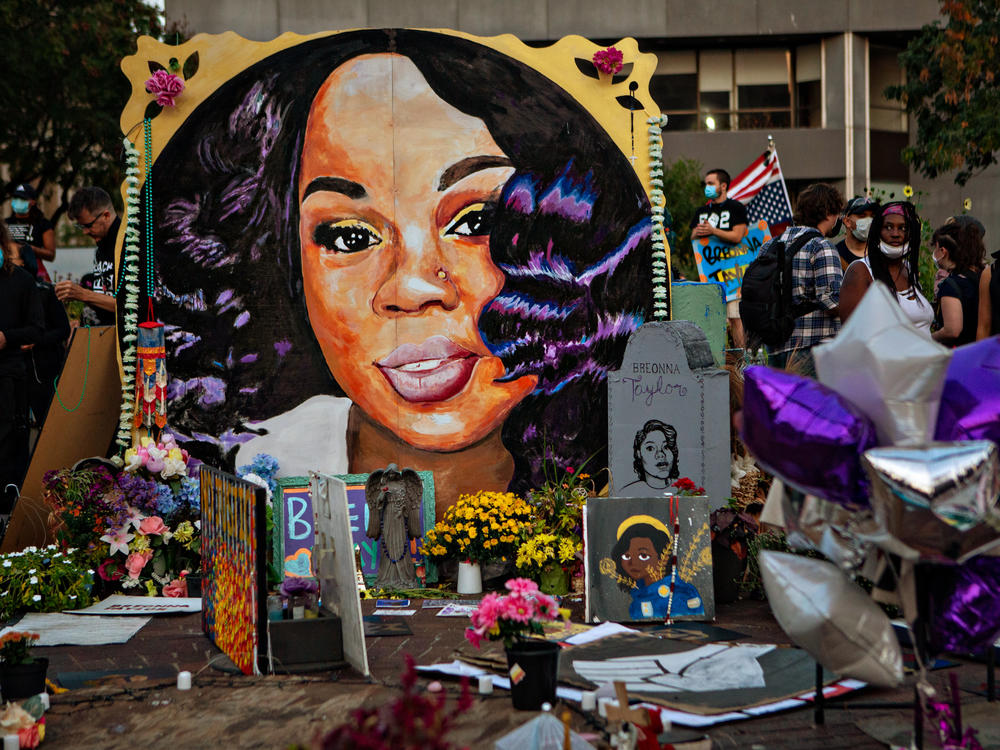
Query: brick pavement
x=275, y=711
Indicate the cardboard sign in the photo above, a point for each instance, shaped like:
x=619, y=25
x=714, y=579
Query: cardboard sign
x=668, y=414
x=724, y=262
x=294, y=527
x=705, y=306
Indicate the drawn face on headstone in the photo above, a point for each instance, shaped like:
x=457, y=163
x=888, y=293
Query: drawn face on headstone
x=397, y=196
x=641, y=561
x=657, y=458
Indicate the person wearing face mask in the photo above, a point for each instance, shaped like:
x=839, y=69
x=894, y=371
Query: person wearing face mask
x=726, y=219
x=892, y=253
x=958, y=250
x=29, y=227
x=858, y=217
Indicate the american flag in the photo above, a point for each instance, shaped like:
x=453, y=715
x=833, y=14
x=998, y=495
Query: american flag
x=761, y=188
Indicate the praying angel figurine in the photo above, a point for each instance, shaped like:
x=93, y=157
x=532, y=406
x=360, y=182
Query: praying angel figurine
x=393, y=499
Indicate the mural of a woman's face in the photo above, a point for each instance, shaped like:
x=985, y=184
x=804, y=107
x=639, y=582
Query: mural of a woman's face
x=641, y=560
x=396, y=198
x=657, y=458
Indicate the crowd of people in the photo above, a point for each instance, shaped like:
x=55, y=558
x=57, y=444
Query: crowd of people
x=881, y=242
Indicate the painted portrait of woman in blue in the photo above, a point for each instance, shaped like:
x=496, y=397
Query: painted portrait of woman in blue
x=642, y=557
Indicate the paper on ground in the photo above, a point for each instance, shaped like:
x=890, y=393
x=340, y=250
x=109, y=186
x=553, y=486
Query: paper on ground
x=392, y=612
x=58, y=629
x=597, y=632
x=140, y=605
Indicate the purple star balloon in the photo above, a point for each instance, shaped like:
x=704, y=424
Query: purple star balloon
x=970, y=403
x=963, y=605
x=807, y=434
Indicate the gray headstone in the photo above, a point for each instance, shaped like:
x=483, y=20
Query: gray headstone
x=671, y=400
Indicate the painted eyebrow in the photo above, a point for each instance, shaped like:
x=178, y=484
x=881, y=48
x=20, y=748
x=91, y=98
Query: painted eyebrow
x=349, y=188
x=465, y=167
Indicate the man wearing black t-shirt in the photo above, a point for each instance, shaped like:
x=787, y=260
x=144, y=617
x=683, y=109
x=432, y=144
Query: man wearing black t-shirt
x=28, y=226
x=95, y=216
x=726, y=219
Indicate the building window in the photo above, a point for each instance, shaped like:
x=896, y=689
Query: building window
x=739, y=89
x=884, y=70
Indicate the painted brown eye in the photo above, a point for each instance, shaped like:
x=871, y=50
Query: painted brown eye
x=346, y=236
x=473, y=221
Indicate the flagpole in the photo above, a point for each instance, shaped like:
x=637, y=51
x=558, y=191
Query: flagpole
x=774, y=151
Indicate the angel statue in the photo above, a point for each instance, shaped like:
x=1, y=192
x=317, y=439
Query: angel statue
x=393, y=498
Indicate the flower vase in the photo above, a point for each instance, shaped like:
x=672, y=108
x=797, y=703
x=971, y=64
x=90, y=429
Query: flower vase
x=19, y=681
x=470, y=578
x=533, y=668
x=554, y=580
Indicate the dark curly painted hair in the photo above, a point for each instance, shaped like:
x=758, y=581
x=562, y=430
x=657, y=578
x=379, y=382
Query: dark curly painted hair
x=571, y=236
x=654, y=425
x=876, y=258
x=661, y=543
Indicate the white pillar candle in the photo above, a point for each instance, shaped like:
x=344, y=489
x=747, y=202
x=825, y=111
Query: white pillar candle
x=588, y=701
x=485, y=684
x=11, y=742
x=45, y=700
x=183, y=680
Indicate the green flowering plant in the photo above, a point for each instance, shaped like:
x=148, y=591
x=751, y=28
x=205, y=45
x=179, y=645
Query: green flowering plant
x=45, y=579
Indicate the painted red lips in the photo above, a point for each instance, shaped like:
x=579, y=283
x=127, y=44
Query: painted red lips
x=435, y=370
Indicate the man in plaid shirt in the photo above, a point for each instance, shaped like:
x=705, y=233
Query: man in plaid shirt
x=816, y=276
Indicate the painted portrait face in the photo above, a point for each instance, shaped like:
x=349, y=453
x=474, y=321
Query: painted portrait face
x=641, y=560
x=894, y=230
x=657, y=458
x=397, y=196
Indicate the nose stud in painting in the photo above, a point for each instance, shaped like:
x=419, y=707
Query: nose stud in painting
x=442, y=274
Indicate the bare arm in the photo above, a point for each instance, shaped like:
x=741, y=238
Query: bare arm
x=856, y=283
x=985, y=304
x=951, y=319
x=69, y=290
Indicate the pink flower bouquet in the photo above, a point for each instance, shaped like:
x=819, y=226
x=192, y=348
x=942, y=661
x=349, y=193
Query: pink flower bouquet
x=514, y=615
x=166, y=86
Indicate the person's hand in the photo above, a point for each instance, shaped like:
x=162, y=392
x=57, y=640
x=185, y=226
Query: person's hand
x=69, y=290
x=3, y=341
x=703, y=230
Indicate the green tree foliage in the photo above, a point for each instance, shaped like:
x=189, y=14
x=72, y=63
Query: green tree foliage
x=682, y=190
x=951, y=89
x=63, y=91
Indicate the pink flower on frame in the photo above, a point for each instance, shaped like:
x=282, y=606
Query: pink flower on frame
x=608, y=60
x=166, y=86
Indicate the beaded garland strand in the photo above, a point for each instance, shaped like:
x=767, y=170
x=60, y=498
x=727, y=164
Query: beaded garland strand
x=661, y=310
x=130, y=261
x=676, y=521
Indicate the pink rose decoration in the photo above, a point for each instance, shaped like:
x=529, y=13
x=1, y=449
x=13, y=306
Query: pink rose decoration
x=166, y=86
x=152, y=525
x=136, y=562
x=176, y=589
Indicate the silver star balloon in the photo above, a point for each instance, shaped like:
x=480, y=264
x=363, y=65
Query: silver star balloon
x=940, y=500
x=885, y=366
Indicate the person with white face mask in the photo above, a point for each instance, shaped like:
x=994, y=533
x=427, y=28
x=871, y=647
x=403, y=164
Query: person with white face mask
x=28, y=226
x=858, y=217
x=891, y=257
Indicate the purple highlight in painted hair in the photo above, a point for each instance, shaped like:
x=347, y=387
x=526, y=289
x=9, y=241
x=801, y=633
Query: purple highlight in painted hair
x=612, y=260
x=568, y=199
x=282, y=347
x=521, y=194
x=224, y=296
x=242, y=319
x=246, y=359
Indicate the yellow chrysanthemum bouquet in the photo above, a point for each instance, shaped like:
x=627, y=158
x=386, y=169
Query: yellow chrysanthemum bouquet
x=544, y=550
x=482, y=527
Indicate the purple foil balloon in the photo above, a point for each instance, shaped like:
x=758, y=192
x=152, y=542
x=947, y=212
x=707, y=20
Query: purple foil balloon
x=963, y=605
x=807, y=434
x=970, y=403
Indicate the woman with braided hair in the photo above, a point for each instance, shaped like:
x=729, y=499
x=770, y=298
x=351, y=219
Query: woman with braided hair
x=892, y=258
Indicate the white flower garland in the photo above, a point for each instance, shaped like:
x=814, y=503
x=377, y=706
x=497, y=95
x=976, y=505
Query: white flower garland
x=130, y=278
x=661, y=269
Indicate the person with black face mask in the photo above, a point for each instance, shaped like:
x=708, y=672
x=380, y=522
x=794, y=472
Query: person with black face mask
x=858, y=216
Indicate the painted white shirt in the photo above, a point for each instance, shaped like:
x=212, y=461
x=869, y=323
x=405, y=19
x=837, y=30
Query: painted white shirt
x=310, y=437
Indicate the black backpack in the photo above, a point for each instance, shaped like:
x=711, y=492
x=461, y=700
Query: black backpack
x=766, y=307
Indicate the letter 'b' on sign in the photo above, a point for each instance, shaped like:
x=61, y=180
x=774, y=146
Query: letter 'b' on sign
x=299, y=527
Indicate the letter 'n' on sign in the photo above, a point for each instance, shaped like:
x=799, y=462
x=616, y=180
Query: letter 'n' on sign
x=668, y=414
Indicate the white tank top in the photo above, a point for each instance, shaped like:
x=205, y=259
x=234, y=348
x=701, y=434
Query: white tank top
x=914, y=304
